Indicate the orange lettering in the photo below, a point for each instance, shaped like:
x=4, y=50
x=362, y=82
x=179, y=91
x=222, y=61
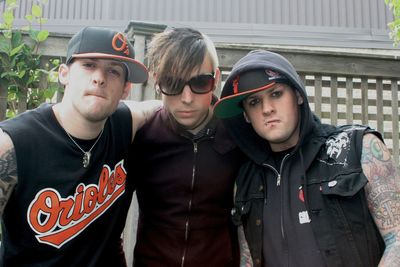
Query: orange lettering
x=57, y=219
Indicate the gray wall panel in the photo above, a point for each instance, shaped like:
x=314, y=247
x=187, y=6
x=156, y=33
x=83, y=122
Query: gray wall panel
x=330, y=13
x=239, y=21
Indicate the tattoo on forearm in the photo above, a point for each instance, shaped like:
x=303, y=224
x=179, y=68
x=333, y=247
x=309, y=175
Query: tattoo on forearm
x=391, y=256
x=245, y=256
x=8, y=175
x=390, y=239
x=383, y=195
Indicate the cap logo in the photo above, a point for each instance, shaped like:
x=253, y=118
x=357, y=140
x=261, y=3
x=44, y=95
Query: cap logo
x=273, y=75
x=236, y=85
x=120, y=43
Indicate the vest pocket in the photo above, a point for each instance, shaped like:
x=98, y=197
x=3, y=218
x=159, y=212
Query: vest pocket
x=242, y=208
x=344, y=184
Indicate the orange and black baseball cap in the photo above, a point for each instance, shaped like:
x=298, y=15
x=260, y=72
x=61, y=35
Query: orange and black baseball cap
x=96, y=42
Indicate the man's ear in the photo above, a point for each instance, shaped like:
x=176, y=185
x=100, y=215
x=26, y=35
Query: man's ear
x=63, y=73
x=217, y=77
x=127, y=90
x=246, y=118
x=157, y=89
x=300, y=99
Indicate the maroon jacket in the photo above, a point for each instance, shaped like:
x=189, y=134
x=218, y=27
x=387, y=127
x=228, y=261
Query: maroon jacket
x=184, y=185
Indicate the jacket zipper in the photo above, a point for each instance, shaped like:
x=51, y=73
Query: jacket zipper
x=285, y=246
x=278, y=184
x=187, y=223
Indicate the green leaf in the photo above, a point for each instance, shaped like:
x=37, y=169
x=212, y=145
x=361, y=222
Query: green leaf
x=9, y=74
x=53, y=77
x=55, y=62
x=21, y=74
x=49, y=92
x=29, y=18
x=7, y=34
x=33, y=34
x=4, y=74
x=16, y=50
x=42, y=36
x=10, y=114
x=36, y=10
x=5, y=46
x=8, y=17
x=16, y=39
x=11, y=2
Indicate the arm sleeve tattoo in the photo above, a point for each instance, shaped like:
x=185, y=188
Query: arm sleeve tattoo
x=245, y=257
x=8, y=169
x=383, y=195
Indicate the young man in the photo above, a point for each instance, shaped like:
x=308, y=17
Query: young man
x=311, y=194
x=64, y=195
x=184, y=163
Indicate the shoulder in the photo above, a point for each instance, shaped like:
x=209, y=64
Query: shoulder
x=122, y=108
x=122, y=115
x=157, y=129
x=344, y=135
x=347, y=140
x=6, y=143
x=374, y=150
x=141, y=112
x=28, y=119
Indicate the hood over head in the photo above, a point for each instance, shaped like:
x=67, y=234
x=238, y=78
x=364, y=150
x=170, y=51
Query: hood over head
x=267, y=68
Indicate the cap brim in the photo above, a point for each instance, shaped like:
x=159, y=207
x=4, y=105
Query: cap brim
x=230, y=106
x=137, y=72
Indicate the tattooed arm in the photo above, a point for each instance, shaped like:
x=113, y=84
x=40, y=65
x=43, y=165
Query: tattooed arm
x=8, y=169
x=245, y=256
x=383, y=196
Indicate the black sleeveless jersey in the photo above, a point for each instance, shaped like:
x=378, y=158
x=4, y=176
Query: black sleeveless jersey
x=61, y=213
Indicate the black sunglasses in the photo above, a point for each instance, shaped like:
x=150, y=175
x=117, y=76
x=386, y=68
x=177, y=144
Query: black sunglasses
x=201, y=84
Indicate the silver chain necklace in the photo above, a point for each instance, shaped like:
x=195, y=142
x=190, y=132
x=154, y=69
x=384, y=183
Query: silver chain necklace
x=86, y=154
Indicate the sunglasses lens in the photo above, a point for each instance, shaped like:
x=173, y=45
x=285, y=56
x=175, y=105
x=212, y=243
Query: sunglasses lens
x=202, y=84
x=170, y=86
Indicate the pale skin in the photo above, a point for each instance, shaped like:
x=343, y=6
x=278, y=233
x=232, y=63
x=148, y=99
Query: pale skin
x=192, y=111
x=274, y=115
x=268, y=111
x=93, y=90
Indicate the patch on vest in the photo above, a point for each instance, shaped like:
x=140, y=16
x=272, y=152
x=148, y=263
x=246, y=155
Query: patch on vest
x=337, y=148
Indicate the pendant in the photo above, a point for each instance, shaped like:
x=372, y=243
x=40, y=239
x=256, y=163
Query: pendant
x=86, y=159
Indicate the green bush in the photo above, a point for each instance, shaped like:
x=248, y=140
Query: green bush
x=394, y=6
x=26, y=79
